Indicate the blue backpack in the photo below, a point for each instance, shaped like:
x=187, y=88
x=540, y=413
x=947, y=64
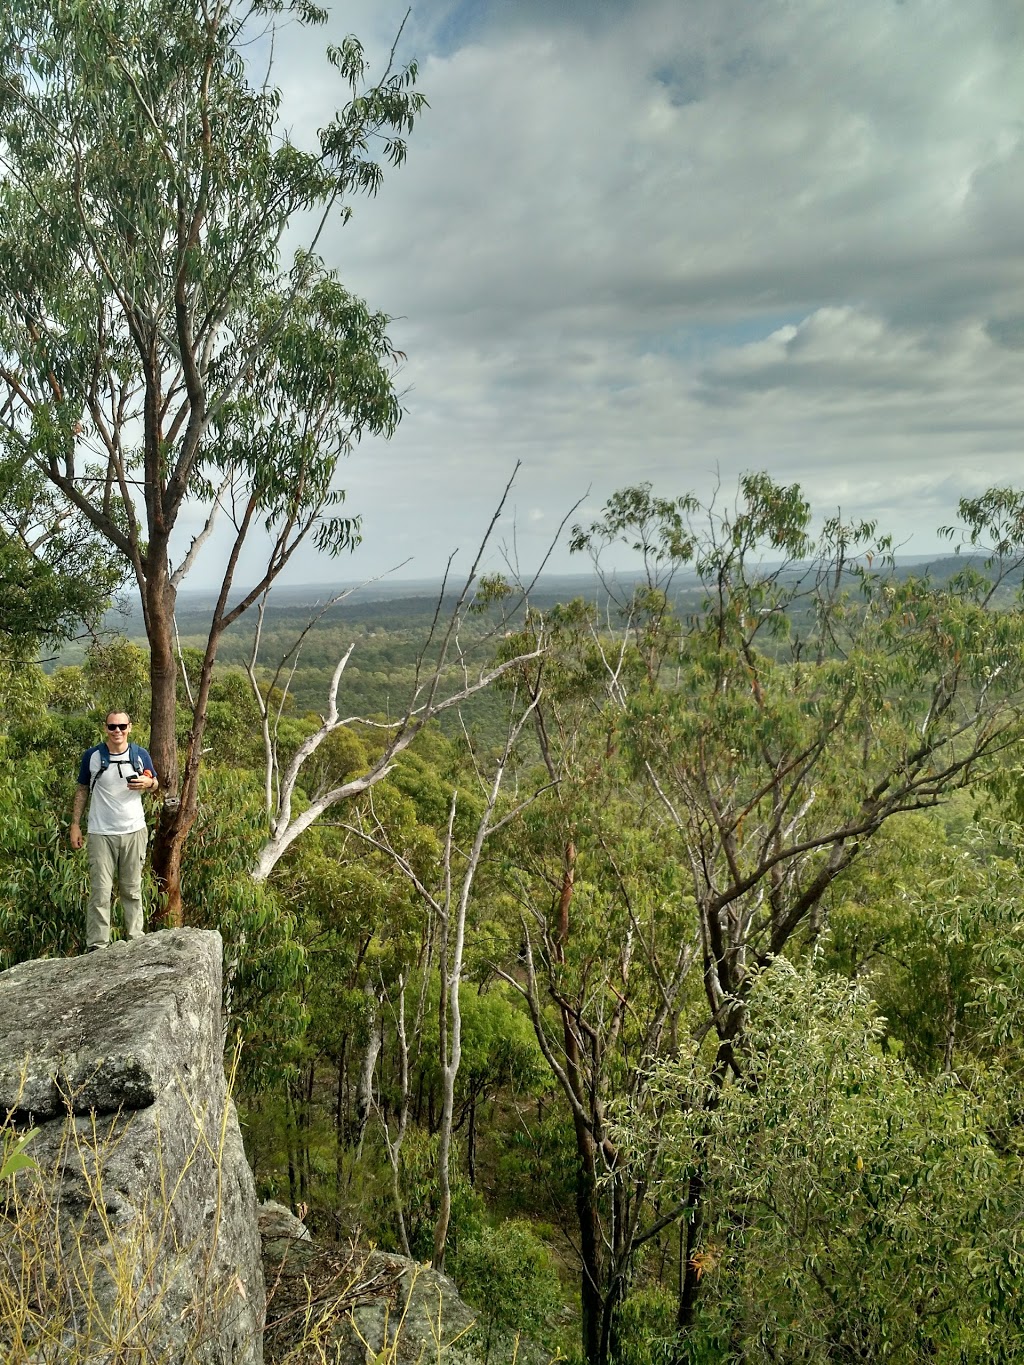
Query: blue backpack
x=99, y=762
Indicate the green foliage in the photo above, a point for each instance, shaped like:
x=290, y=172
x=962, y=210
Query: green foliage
x=69, y=690
x=509, y=1275
x=646, y=1327
x=854, y=1210
x=233, y=732
x=420, y=1195
x=13, y=1154
x=264, y=960
x=55, y=573
x=931, y=922
x=499, y=1047
x=43, y=885
x=117, y=675
x=22, y=688
x=535, y=1165
x=808, y=696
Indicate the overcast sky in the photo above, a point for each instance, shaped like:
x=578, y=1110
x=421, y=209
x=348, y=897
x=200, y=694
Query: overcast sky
x=674, y=240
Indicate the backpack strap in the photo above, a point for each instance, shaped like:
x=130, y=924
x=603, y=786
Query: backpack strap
x=99, y=762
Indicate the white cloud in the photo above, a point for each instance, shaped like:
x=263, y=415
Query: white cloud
x=671, y=241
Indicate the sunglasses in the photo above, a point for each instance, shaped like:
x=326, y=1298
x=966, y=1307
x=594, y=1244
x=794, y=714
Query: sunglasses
x=115, y=726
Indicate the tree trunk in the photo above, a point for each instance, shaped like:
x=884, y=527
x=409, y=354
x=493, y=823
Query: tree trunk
x=394, y=1146
x=445, y=997
x=588, y=1212
x=591, y=1250
x=307, y=1124
x=158, y=606
x=693, y=1216
x=364, y=1086
x=689, y=1276
x=160, y=598
x=471, y=1142
x=166, y=860
x=950, y=1030
x=180, y=787
x=292, y=1138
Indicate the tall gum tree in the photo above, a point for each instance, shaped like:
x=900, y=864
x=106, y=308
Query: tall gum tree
x=766, y=698
x=156, y=352
x=792, y=692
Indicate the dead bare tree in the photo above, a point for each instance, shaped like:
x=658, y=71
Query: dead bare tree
x=444, y=659
x=448, y=904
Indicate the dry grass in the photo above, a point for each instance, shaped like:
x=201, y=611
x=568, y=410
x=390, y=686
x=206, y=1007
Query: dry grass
x=92, y=1275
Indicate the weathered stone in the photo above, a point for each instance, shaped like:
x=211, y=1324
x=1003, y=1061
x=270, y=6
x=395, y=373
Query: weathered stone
x=117, y=1058
x=355, y=1305
x=279, y=1228
x=108, y=1031
x=423, y=1319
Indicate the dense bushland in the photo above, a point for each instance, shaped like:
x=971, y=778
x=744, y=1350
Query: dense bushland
x=676, y=1011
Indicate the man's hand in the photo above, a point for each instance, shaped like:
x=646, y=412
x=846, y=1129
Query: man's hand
x=76, y=836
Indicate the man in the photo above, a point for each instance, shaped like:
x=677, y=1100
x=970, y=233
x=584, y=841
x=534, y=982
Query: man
x=112, y=778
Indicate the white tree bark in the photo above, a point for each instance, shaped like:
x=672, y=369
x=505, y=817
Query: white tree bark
x=426, y=702
x=285, y=828
x=455, y=937
x=451, y=905
x=364, y=1085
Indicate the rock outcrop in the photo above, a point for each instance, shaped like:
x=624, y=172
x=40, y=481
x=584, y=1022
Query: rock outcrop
x=354, y=1305
x=138, y=1229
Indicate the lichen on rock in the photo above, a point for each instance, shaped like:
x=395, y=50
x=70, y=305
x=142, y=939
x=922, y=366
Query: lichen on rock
x=139, y=1220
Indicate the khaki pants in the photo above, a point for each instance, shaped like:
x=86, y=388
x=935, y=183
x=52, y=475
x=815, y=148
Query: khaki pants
x=110, y=856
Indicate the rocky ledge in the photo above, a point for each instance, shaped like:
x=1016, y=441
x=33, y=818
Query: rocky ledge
x=137, y=1227
x=353, y=1305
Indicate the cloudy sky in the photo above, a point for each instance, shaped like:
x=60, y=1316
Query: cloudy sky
x=674, y=240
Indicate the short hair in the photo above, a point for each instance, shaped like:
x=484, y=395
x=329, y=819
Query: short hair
x=117, y=711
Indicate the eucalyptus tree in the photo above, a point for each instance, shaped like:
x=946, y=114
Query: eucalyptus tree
x=763, y=699
x=158, y=355
x=56, y=575
x=803, y=695
x=809, y=694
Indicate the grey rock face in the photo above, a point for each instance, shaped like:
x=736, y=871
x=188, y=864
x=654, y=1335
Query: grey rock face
x=424, y=1320
x=279, y=1228
x=354, y=1306
x=140, y=1223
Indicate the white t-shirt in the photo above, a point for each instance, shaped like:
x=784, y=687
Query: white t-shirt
x=113, y=807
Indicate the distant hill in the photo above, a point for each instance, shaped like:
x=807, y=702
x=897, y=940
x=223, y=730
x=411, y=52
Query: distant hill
x=394, y=604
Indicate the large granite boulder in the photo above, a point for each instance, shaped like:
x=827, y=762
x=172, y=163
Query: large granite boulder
x=136, y=1236
x=354, y=1305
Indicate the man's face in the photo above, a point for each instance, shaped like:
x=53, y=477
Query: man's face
x=119, y=727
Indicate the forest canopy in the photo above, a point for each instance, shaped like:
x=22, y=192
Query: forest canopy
x=157, y=349
x=671, y=999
